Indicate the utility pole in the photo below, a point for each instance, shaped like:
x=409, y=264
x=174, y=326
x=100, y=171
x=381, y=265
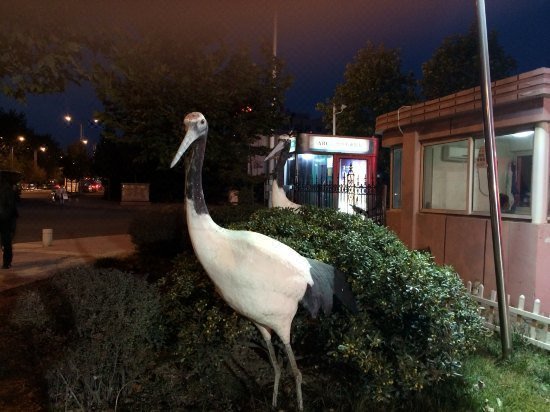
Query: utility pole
x=492, y=178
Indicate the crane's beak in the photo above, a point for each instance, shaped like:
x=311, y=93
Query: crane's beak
x=189, y=138
x=275, y=150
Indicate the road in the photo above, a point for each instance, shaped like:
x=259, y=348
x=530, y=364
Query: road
x=81, y=216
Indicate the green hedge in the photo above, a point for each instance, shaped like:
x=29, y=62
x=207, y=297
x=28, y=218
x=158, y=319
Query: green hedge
x=416, y=319
x=160, y=230
x=96, y=333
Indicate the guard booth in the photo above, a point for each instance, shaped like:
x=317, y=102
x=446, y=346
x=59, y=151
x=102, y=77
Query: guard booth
x=440, y=191
x=332, y=171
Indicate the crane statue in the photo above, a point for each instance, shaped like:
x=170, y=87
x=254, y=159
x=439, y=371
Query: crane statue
x=259, y=277
x=278, y=195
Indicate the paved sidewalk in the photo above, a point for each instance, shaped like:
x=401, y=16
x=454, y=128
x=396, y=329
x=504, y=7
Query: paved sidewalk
x=33, y=261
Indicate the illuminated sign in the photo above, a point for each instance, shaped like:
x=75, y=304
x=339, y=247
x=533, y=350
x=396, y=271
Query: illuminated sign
x=334, y=144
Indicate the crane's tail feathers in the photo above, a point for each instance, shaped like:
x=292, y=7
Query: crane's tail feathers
x=327, y=282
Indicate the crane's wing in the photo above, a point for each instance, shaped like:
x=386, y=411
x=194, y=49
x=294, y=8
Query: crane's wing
x=327, y=282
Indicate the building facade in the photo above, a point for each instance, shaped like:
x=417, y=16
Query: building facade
x=439, y=187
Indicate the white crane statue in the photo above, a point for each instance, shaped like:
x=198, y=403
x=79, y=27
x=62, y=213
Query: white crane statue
x=278, y=195
x=259, y=277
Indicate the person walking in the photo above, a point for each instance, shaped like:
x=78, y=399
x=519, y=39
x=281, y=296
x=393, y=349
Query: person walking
x=63, y=195
x=8, y=218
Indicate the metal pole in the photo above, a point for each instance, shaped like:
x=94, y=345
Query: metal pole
x=333, y=119
x=492, y=176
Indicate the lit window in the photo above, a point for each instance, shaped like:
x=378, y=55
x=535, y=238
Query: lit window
x=445, y=176
x=515, y=165
x=314, y=169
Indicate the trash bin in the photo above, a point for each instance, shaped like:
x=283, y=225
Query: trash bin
x=47, y=237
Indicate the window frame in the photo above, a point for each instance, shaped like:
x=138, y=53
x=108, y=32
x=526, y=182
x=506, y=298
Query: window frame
x=469, y=164
x=392, y=180
x=469, y=210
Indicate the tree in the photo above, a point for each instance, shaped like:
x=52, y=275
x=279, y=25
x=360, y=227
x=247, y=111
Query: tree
x=455, y=64
x=373, y=85
x=147, y=84
x=150, y=86
x=76, y=163
x=19, y=154
x=41, y=50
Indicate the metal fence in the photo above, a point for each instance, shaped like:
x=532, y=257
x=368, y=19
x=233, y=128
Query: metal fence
x=369, y=201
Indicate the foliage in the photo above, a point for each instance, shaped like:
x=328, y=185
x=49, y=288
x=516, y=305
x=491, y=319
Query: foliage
x=205, y=330
x=37, y=62
x=416, y=321
x=108, y=324
x=13, y=125
x=160, y=231
x=373, y=85
x=147, y=82
x=44, y=47
x=226, y=215
x=156, y=84
x=76, y=164
x=455, y=65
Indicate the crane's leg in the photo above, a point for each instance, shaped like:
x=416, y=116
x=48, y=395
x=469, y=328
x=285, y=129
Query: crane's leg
x=266, y=333
x=297, y=376
x=276, y=369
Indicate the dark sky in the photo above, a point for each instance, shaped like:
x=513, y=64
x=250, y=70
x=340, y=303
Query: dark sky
x=316, y=38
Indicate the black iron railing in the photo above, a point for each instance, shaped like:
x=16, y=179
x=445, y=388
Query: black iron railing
x=369, y=200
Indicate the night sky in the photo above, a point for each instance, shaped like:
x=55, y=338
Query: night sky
x=315, y=38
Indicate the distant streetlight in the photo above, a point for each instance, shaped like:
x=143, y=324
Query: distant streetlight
x=334, y=113
x=68, y=118
x=19, y=139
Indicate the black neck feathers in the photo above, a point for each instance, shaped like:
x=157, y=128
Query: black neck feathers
x=193, y=176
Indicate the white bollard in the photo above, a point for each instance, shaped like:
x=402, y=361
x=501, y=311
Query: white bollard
x=47, y=237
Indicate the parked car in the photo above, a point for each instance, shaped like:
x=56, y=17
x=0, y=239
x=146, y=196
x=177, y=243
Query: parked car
x=90, y=186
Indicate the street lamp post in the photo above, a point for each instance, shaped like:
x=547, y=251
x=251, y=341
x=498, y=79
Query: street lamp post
x=334, y=113
x=19, y=139
x=42, y=149
x=68, y=118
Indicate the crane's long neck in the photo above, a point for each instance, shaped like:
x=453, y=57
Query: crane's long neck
x=193, y=177
x=280, y=171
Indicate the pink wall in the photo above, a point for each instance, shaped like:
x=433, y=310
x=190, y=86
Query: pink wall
x=465, y=243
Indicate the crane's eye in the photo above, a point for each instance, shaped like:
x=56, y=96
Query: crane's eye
x=202, y=121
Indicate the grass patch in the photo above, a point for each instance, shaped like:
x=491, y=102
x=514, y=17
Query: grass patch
x=521, y=383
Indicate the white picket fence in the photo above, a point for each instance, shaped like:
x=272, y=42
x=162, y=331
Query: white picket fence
x=532, y=325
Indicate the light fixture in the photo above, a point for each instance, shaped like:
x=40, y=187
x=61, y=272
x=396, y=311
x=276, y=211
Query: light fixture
x=520, y=135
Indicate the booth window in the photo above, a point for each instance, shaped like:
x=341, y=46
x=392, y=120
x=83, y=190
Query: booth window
x=445, y=176
x=396, y=161
x=515, y=167
x=446, y=171
x=314, y=169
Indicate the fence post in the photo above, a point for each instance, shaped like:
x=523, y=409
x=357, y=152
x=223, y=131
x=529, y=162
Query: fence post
x=533, y=327
x=480, y=290
x=521, y=302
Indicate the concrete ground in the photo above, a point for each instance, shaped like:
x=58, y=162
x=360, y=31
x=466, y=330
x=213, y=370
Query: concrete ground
x=34, y=260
